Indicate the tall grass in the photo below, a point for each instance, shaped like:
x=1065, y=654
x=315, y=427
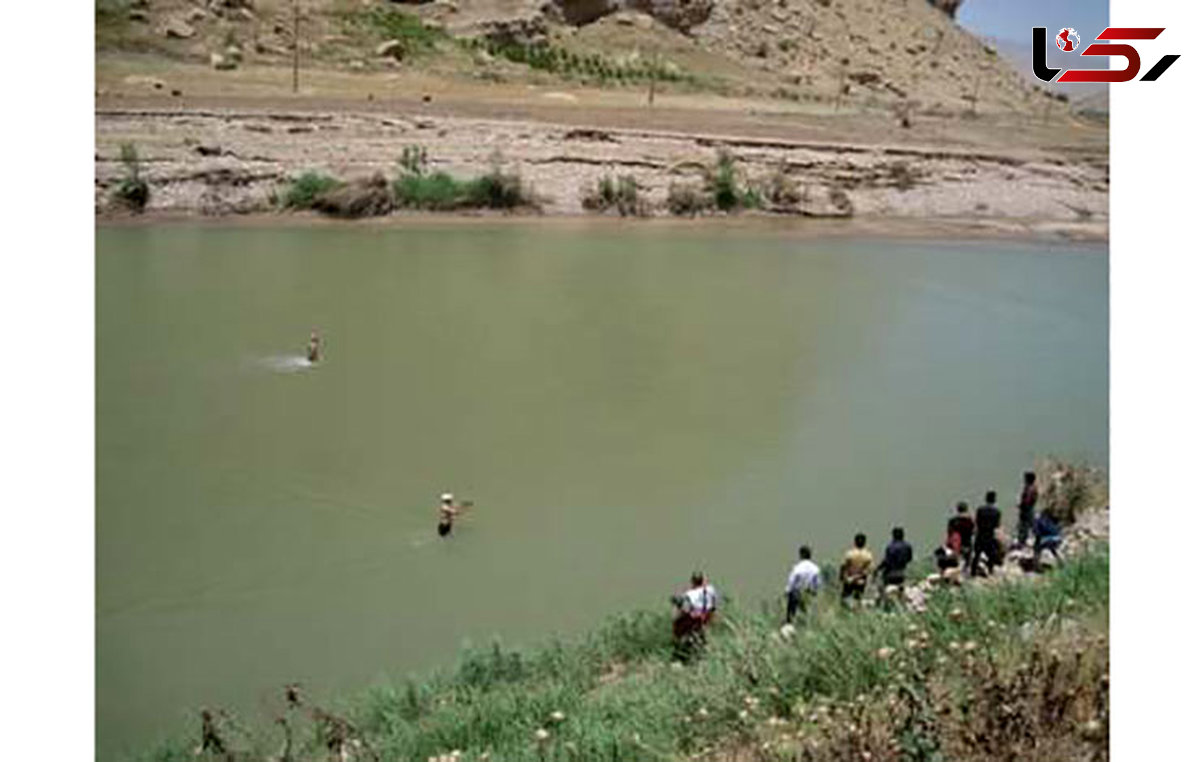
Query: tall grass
x=873, y=678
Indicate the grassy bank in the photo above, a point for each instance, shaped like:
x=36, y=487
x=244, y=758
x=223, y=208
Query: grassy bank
x=1005, y=670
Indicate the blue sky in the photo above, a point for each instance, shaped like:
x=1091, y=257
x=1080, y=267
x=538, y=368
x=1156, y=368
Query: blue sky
x=1012, y=19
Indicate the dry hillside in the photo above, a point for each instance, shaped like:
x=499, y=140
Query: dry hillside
x=907, y=54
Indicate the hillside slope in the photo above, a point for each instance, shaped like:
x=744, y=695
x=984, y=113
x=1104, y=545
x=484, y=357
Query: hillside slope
x=887, y=53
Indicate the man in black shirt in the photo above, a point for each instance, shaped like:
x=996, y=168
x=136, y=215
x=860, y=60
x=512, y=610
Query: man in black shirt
x=1026, y=508
x=896, y=559
x=960, y=533
x=987, y=521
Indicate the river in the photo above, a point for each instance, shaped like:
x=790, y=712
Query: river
x=625, y=403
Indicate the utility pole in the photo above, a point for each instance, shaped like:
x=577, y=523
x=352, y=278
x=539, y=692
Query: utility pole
x=295, y=46
x=837, y=104
x=653, y=78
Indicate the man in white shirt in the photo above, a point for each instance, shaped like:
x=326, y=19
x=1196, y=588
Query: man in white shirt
x=802, y=584
x=696, y=608
x=700, y=601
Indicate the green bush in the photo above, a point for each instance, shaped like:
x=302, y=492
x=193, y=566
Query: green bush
x=441, y=191
x=303, y=191
x=727, y=194
x=496, y=190
x=132, y=190
x=620, y=194
x=721, y=189
x=436, y=192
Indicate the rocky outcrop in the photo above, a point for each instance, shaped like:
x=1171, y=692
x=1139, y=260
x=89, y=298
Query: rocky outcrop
x=677, y=14
x=178, y=29
x=368, y=197
x=948, y=7
x=520, y=30
x=580, y=12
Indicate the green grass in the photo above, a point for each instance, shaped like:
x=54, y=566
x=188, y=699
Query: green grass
x=589, y=67
x=621, y=697
x=440, y=191
x=302, y=192
x=384, y=23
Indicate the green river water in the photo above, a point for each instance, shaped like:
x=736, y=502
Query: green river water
x=624, y=404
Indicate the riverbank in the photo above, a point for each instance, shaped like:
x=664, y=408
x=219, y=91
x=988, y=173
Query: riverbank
x=235, y=151
x=1013, y=667
x=934, y=229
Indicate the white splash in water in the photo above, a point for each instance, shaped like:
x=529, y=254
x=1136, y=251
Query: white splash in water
x=287, y=363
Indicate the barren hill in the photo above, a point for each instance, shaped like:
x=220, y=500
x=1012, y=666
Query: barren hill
x=907, y=54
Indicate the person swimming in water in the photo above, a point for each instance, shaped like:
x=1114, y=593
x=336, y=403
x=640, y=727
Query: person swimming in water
x=447, y=512
x=314, y=346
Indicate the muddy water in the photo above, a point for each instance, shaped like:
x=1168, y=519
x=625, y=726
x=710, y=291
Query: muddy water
x=624, y=404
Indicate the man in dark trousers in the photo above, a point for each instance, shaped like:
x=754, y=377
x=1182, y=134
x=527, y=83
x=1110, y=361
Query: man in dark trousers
x=896, y=558
x=960, y=533
x=1026, y=508
x=987, y=522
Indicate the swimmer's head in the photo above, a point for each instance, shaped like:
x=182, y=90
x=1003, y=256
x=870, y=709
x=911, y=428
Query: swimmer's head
x=447, y=498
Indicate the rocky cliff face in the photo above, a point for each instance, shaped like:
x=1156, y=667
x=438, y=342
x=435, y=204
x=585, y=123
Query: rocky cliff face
x=677, y=14
x=948, y=7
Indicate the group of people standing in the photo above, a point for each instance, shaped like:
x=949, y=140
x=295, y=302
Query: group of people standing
x=972, y=546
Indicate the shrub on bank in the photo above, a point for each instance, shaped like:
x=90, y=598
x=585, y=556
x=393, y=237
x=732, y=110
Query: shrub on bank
x=686, y=200
x=132, y=190
x=440, y=191
x=620, y=194
x=722, y=189
x=303, y=191
x=723, y=184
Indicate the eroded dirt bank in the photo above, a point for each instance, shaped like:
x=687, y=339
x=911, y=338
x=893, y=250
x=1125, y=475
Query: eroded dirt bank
x=219, y=160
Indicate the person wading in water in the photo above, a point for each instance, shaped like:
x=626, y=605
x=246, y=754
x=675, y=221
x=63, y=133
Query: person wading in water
x=314, y=347
x=447, y=512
